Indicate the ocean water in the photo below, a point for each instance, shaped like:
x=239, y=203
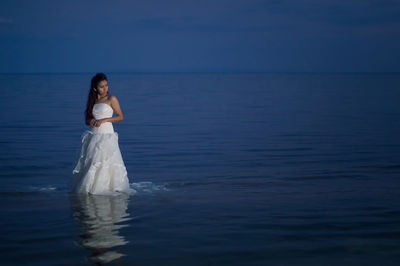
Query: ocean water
x=229, y=169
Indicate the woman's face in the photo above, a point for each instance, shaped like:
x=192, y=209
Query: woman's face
x=102, y=88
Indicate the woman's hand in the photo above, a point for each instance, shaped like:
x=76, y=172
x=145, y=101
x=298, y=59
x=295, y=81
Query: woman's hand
x=92, y=122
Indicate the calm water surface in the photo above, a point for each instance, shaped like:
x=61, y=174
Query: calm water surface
x=229, y=169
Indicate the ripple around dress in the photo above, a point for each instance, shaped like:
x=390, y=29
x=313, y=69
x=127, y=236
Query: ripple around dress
x=100, y=168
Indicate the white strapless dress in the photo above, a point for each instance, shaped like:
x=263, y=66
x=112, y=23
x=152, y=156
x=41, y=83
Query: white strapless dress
x=100, y=169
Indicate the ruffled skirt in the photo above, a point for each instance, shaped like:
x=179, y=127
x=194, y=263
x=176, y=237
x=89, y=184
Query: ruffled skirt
x=100, y=169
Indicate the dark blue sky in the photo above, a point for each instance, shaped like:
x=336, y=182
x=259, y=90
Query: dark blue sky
x=204, y=35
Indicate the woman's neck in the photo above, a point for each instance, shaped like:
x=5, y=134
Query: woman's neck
x=99, y=97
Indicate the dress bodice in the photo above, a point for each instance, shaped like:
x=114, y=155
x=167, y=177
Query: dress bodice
x=101, y=111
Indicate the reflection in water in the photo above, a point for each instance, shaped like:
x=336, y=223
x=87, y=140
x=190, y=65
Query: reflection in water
x=100, y=218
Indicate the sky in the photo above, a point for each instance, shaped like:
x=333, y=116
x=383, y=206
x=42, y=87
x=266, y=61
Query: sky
x=57, y=36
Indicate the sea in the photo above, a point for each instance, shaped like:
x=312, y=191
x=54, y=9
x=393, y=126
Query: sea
x=228, y=169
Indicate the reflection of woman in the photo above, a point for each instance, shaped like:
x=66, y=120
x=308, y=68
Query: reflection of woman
x=100, y=218
x=100, y=168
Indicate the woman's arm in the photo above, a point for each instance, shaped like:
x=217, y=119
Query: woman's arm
x=118, y=113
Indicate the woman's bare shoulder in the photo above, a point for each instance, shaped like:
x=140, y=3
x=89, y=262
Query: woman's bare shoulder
x=112, y=98
x=113, y=101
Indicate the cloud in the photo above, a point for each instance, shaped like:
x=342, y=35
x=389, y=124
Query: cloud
x=319, y=16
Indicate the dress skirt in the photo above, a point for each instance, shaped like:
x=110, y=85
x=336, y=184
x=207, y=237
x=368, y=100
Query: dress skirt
x=100, y=168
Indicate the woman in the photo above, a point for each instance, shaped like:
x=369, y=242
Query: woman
x=100, y=168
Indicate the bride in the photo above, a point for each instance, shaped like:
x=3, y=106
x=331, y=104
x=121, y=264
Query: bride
x=100, y=168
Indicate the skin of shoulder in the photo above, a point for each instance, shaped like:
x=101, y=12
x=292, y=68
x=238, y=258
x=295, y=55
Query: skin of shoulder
x=115, y=105
x=112, y=100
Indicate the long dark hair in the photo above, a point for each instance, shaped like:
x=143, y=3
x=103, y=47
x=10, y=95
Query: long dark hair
x=93, y=95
